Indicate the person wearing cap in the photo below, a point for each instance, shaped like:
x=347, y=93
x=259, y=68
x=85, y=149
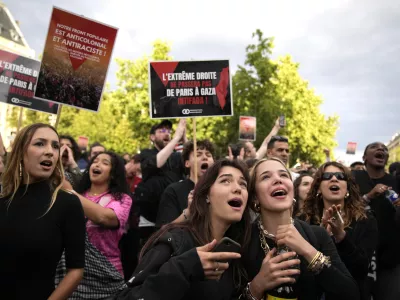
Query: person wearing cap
x=160, y=166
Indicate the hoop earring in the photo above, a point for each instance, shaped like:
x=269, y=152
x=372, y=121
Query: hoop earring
x=257, y=207
x=20, y=170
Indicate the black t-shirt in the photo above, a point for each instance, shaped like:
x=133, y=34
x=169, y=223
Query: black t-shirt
x=31, y=244
x=156, y=180
x=385, y=213
x=173, y=169
x=173, y=201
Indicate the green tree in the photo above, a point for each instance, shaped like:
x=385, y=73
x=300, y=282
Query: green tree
x=122, y=123
x=308, y=129
x=265, y=89
x=28, y=117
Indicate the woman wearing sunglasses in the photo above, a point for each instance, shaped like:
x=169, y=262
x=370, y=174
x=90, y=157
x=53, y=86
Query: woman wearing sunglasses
x=289, y=259
x=334, y=203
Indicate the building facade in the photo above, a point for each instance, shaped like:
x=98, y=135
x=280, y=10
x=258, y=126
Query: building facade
x=394, y=148
x=11, y=40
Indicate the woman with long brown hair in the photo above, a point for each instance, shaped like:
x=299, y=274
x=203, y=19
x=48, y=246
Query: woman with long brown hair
x=289, y=259
x=334, y=202
x=178, y=263
x=302, y=186
x=38, y=220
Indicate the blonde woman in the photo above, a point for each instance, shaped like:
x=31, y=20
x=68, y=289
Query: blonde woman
x=38, y=221
x=289, y=259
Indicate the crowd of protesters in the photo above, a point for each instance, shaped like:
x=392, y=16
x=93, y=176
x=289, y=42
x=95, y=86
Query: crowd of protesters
x=180, y=223
x=81, y=88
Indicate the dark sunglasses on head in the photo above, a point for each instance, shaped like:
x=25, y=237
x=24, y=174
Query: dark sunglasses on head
x=338, y=175
x=279, y=138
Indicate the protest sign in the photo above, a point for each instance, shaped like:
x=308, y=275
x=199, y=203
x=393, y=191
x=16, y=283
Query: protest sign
x=18, y=77
x=351, y=148
x=190, y=89
x=83, y=142
x=247, y=128
x=75, y=60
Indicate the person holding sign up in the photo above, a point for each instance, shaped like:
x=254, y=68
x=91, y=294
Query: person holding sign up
x=160, y=166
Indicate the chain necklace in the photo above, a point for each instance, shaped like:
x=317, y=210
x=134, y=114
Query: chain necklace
x=264, y=233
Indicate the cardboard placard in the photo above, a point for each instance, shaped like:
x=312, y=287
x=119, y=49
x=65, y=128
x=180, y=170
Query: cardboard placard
x=83, y=142
x=181, y=89
x=247, y=128
x=351, y=148
x=75, y=60
x=18, y=78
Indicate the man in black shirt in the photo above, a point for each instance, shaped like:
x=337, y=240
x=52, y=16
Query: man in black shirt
x=160, y=166
x=174, y=201
x=374, y=184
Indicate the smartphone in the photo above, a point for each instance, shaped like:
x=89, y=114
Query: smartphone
x=227, y=245
x=282, y=121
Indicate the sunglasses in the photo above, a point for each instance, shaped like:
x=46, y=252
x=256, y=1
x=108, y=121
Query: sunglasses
x=279, y=138
x=338, y=175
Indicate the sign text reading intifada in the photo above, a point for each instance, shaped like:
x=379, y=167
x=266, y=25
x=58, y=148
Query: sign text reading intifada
x=190, y=89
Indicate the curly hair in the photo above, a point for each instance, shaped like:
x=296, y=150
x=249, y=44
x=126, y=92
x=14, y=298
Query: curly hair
x=354, y=205
x=117, y=184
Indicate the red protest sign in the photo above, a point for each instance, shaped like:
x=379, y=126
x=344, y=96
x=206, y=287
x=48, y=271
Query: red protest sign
x=247, y=128
x=75, y=60
x=351, y=148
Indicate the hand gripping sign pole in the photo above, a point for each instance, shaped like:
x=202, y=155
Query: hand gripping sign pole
x=21, y=110
x=58, y=116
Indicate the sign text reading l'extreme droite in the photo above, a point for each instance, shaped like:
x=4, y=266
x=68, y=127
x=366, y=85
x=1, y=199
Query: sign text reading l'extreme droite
x=16, y=68
x=189, y=76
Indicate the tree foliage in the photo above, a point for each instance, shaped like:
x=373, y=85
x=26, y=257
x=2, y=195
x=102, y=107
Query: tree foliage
x=265, y=88
x=262, y=87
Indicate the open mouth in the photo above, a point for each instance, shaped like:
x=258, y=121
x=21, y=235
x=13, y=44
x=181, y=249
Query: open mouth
x=204, y=166
x=379, y=155
x=334, y=188
x=97, y=171
x=47, y=163
x=279, y=193
x=237, y=203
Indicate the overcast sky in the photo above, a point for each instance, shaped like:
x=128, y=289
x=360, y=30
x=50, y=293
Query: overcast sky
x=348, y=50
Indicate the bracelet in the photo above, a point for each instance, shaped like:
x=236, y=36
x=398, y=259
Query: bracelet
x=319, y=263
x=314, y=259
x=184, y=214
x=247, y=293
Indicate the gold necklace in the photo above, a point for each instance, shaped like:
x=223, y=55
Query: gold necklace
x=264, y=233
